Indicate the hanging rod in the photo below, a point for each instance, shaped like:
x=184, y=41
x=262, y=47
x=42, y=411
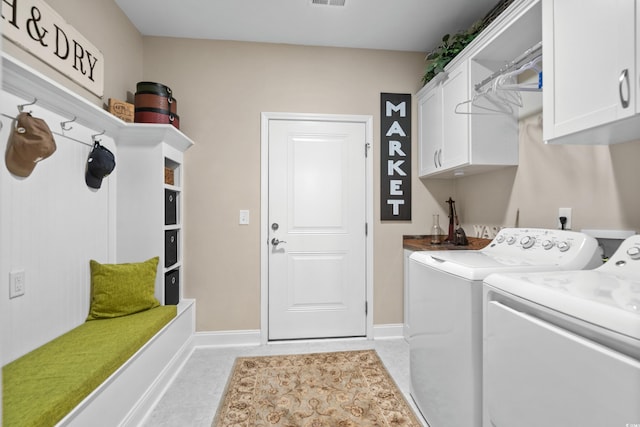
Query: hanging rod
x=526, y=54
x=53, y=131
x=64, y=125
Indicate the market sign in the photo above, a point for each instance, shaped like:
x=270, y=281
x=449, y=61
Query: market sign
x=395, y=157
x=38, y=29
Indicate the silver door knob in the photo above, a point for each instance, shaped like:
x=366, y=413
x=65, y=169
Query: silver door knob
x=276, y=242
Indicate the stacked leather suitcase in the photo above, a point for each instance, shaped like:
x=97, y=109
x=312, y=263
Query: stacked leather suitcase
x=154, y=103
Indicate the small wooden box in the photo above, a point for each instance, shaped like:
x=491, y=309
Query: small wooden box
x=122, y=110
x=168, y=176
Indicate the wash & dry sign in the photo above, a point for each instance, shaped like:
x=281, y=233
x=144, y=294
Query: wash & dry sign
x=395, y=157
x=37, y=28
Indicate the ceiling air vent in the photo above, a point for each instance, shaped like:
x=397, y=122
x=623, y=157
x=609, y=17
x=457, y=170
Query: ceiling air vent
x=329, y=2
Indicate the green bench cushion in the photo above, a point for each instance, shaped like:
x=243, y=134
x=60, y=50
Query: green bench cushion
x=43, y=386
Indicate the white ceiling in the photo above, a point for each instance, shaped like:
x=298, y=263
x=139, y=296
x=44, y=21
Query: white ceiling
x=406, y=25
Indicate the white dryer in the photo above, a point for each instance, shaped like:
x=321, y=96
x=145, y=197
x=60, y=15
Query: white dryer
x=445, y=308
x=563, y=349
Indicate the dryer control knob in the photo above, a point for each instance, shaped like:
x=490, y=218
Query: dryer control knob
x=548, y=244
x=563, y=246
x=511, y=240
x=500, y=238
x=634, y=252
x=527, y=241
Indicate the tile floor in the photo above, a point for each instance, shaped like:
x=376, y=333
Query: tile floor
x=191, y=400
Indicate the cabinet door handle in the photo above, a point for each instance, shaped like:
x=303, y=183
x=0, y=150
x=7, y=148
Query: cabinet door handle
x=624, y=77
x=435, y=158
x=440, y=157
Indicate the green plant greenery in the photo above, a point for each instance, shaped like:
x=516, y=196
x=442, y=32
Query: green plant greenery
x=452, y=45
x=447, y=50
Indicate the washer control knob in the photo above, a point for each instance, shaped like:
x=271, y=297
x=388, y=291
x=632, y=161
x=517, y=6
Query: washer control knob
x=548, y=244
x=527, y=241
x=563, y=246
x=511, y=240
x=634, y=252
x=500, y=238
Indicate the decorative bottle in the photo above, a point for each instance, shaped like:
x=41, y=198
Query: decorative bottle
x=436, y=231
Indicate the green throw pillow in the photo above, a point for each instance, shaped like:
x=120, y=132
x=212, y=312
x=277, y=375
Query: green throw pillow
x=121, y=289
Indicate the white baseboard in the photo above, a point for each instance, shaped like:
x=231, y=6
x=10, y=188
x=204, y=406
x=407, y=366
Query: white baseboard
x=253, y=337
x=389, y=331
x=226, y=338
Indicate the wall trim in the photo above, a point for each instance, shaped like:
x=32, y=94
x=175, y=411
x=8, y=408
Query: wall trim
x=254, y=336
x=226, y=338
x=389, y=331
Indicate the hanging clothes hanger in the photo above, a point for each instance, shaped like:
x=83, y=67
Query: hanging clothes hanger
x=533, y=50
x=494, y=107
x=506, y=81
x=506, y=96
x=502, y=89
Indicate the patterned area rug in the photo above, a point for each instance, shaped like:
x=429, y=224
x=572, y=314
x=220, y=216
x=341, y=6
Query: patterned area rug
x=342, y=389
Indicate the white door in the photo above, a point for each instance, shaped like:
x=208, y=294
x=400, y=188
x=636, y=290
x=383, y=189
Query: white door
x=317, y=213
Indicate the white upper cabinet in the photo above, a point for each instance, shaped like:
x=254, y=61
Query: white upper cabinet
x=444, y=135
x=429, y=129
x=591, y=77
x=455, y=129
x=460, y=133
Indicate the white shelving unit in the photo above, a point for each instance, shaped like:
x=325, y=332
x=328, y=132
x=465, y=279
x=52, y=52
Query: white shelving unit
x=144, y=199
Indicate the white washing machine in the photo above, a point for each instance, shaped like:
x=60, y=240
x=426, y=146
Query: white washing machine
x=563, y=349
x=445, y=309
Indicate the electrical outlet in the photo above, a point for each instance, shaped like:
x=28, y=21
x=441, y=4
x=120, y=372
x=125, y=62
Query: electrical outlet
x=566, y=212
x=17, y=283
x=244, y=217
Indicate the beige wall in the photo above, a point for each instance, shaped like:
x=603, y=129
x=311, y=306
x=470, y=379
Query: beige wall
x=598, y=182
x=221, y=88
x=106, y=27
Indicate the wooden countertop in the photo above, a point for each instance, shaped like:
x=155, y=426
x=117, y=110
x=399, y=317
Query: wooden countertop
x=423, y=243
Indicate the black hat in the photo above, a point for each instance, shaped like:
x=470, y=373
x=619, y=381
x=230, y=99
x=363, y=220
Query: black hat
x=100, y=164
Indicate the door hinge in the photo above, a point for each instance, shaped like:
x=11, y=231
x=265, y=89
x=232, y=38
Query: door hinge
x=366, y=228
x=366, y=149
x=366, y=308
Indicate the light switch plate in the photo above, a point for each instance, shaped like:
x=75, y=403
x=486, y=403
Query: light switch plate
x=244, y=217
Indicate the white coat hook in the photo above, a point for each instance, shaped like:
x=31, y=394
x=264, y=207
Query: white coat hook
x=21, y=107
x=66, y=125
x=94, y=137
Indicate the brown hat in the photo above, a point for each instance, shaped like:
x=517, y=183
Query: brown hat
x=30, y=141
